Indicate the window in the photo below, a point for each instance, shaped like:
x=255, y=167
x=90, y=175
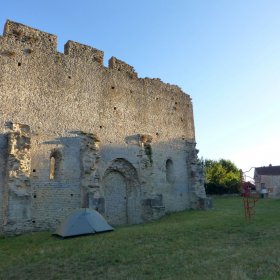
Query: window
x=55, y=165
x=170, y=171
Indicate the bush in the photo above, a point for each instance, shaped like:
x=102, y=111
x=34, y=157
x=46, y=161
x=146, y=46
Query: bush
x=222, y=177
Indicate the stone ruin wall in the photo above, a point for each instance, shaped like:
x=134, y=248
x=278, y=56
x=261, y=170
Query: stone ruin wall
x=70, y=102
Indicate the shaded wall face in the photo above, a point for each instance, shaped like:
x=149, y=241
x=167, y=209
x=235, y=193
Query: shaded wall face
x=170, y=174
x=53, y=198
x=158, y=174
x=3, y=153
x=124, y=187
x=150, y=187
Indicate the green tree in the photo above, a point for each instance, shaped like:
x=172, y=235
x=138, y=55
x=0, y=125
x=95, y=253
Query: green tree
x=221, y=177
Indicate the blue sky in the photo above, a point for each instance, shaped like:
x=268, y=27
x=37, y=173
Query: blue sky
x=225, y=54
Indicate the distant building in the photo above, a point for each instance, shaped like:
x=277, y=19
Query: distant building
x=267, y=180
x=248, y=189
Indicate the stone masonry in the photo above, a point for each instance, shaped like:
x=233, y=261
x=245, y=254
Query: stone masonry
x=74, y=133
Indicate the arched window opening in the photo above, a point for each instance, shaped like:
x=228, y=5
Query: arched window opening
x=52, y=168
x=55, y=165
x=170, y=171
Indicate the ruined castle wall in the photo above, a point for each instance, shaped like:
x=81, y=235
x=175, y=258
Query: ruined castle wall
x=171, y=175
x=61, y=94
x=152, y=171
x=70, y=91
x=53, y=199
x=17, y=187
x=3, y=153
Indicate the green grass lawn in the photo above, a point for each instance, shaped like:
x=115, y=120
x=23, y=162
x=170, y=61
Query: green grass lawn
x=217, y=244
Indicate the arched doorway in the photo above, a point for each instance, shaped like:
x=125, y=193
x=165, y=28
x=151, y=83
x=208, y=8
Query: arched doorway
x=122, y=193
x=115, y=197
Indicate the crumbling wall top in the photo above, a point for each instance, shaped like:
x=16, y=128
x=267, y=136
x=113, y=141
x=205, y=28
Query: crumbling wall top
x=75, y=49
x=30, y=36
x=119, y=65
x=27, y=38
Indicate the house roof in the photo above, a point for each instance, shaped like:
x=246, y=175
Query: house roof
x=268, y=170
x=248, y=184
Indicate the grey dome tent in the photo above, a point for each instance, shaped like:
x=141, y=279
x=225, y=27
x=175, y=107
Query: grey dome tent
x=83, y=221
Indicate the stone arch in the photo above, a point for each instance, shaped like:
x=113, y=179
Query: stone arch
x=121, y=192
